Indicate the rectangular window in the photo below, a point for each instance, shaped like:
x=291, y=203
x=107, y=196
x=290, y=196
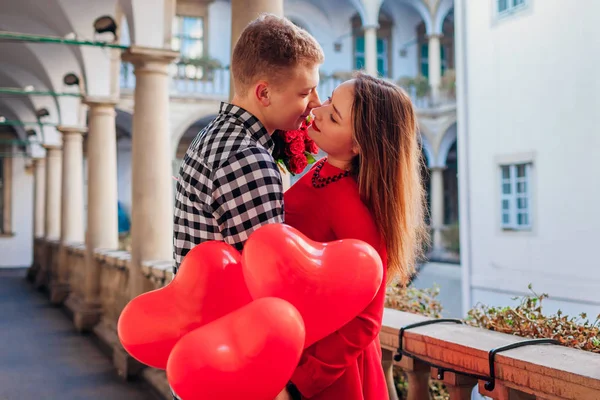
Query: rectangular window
x=515, y=181
x=508, y=6
x=188, y=36
x=382, y=55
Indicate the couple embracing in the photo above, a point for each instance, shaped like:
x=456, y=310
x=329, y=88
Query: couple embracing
x=367, y=188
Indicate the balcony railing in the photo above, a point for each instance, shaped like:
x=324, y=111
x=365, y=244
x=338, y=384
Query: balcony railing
x=187, y=80
x=457, y=355
x=195, y=79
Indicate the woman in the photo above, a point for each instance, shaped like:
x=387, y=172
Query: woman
x=368, y=188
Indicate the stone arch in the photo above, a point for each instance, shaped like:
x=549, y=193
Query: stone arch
x=442, y=12
x=151, y=31
x=207, y=110
x=427, y=151
x=15, y=76
x=449, y=138
x=15, y=113
x=298, y=12
x=95, y=61
x=418, y=6
x=41, y=65
x=190, y=133
x=49, y=62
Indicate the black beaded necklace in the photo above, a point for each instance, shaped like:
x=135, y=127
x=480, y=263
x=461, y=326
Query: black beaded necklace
x=319, y=182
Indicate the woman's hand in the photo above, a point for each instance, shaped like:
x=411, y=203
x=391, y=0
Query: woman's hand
x=283, y=395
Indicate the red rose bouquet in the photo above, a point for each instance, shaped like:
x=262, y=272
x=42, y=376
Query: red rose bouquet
x=294, y=149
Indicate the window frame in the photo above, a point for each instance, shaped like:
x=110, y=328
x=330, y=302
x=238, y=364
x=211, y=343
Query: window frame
x=181, y=35
x=513, y=211
x=511, y=7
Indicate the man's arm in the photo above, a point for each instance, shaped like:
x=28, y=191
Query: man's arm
x=247, y=194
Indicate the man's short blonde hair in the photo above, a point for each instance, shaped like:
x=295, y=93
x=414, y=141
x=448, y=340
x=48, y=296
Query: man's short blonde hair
x=268, y=47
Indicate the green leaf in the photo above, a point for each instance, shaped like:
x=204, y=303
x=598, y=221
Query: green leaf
x=310, y=158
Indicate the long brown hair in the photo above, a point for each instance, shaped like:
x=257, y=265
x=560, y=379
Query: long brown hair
x=388, y=170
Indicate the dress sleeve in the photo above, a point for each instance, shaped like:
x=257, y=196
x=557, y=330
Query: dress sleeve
x=248, y=193
x=326, y=361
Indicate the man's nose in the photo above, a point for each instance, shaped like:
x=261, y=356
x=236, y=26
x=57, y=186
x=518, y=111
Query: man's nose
x=314, y=100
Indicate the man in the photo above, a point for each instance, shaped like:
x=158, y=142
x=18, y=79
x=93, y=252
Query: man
x=229, y=183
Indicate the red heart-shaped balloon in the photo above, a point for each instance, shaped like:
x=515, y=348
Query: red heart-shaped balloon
x=248, y=354
x=329, y=283
x=208, y=285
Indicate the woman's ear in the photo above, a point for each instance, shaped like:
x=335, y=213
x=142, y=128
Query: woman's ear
x=355, y=149
x=261, y=91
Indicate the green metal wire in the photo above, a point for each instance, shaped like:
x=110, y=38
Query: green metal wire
x=17, y=91
x=14, y=155
x=18, y=142
x=25, y=37
x=23, y=123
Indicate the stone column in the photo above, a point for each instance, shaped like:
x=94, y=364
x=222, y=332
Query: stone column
x=244, y=11
x=102, y=228
x=52, y=211
x=53, y=192
x=371, y=49
x=72, y=206
x=437, y=207
x=39, y=196
x=435, y=66
x=152, y=196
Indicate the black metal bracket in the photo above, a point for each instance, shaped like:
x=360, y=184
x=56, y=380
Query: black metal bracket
x=491, y=383
x=398, y=355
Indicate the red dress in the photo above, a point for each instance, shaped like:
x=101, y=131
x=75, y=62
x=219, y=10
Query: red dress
x=345, y=365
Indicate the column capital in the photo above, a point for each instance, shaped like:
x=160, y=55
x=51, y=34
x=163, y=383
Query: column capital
x=101, y=105
x=370, y=26
x=95, y=101
x=438, y=168
x=434, y=36
x=150, y=59
x=71, y=130
x=51, y=147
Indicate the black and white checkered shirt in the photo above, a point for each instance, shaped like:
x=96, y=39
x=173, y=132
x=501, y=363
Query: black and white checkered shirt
x=229, y=184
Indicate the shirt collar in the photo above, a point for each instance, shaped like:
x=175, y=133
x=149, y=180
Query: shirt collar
x=256, y=129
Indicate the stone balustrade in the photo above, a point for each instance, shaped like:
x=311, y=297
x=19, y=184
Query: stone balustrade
x=455, y=354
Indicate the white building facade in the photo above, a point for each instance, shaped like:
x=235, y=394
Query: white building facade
x=527, y=139
x=407, y=41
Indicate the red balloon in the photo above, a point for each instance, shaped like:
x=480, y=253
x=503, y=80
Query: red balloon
x=329, y=283
x=248, y=354
x=208, y=285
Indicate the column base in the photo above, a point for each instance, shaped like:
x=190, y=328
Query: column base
x=157, y=380
x=41, y=279
x=85, y=315
x=59, y=293
x=127, y=366
x=32, y=273
x=107, y=337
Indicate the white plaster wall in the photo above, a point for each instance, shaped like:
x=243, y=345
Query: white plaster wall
x=404, y=34
x=219, y=31
x=17, y=251
x=531, y=90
